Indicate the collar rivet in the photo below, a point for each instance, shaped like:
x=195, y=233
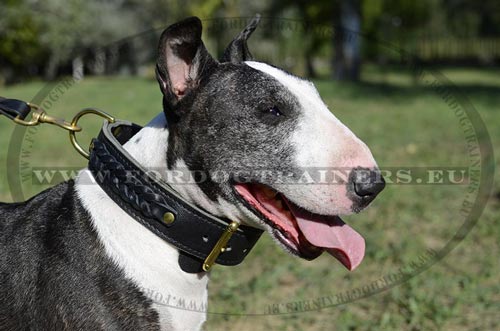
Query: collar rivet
x=168, y=218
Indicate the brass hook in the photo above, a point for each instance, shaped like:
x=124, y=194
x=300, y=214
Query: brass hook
x=40, y=116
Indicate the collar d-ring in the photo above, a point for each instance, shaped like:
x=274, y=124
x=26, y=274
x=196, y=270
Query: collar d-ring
x=74, y=122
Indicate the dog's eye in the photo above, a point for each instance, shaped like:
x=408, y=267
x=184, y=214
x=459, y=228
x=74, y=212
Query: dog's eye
x=275, y=111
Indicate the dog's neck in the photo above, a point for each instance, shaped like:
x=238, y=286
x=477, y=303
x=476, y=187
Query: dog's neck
x=147, y=260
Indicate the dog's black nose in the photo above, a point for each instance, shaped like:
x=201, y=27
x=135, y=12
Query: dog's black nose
x=367, y=183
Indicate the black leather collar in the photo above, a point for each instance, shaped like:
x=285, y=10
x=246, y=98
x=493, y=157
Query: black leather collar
x=146, y=199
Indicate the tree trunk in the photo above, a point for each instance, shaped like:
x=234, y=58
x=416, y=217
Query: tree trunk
x=310, y=71
x=112, y=59
x=98, y=64
x=347, y=59
x=51, y=67
x=309, y=50
x=77, y=65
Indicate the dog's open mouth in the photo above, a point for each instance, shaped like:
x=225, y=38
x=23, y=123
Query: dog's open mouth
x=304, y=233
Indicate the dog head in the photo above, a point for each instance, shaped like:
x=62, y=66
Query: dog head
x=263, y=146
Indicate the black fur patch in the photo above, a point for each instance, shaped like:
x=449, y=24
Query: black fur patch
x=54, y=272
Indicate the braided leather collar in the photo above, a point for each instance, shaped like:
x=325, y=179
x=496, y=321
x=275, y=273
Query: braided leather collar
x=147, y=200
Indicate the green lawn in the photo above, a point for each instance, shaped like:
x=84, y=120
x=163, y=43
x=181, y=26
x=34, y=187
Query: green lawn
x=405, y=125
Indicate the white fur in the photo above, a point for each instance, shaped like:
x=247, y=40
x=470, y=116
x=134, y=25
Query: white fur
x=147, y=260
x=320, y=141
x=221, y=207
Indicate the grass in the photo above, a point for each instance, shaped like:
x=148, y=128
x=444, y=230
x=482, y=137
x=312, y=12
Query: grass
x=405, y=125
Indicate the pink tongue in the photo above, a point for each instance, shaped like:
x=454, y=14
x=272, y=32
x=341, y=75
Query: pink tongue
x=331, y=233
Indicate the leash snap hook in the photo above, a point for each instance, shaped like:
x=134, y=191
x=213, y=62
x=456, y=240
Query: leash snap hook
x=74, y=122
x=40, y=116
x=220, y=246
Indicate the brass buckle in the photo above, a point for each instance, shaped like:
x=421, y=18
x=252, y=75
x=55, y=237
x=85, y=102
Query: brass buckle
x=220, y=246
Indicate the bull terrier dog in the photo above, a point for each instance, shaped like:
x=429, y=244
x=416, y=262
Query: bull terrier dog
x=75, y=257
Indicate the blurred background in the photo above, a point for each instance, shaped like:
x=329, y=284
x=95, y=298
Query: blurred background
x=46, y=39
x=375, y=63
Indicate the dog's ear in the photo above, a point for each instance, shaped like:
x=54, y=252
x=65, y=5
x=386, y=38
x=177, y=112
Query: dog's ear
x=237, y=51
x=183, y=60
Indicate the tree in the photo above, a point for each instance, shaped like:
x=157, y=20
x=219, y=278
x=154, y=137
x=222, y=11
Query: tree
x=346, y=42
x=20, y=51
x=70, y=28
x=345, y=16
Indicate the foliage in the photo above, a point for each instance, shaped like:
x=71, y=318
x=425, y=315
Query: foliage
x=19, y=42
x=42, y=37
